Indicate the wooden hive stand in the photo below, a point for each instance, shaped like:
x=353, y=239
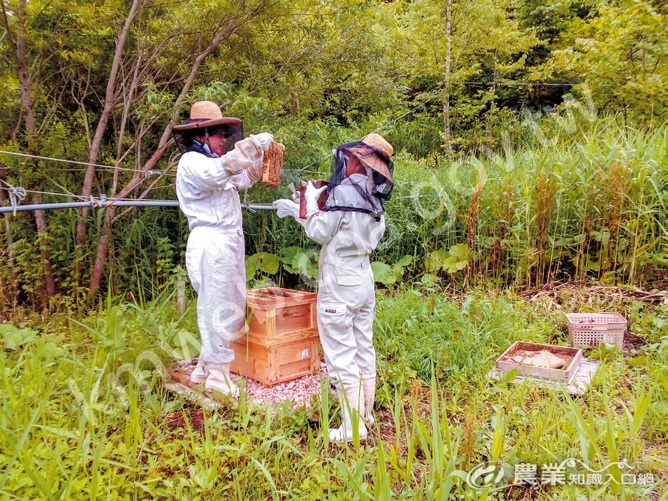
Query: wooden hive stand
x=282, y=340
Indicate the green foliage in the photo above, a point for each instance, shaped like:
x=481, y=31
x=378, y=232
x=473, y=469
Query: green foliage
x=262, y=261
x=488, y=46
x=543, y=183
x=452, y=261
x=388, y=275
x=619, y=53
x=84, y=409
x=13, y=338
x=306, y=263
x=582, y=199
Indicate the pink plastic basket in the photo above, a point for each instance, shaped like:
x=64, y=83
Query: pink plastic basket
x=591, y=329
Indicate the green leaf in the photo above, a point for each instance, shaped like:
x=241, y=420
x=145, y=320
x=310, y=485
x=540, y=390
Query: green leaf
x=13, y=338
x=404, y=261
x=452, y=261
x=435, y=260
x=287, y=257
x=262, y=261
x=383, y=273
x=460, y=251
x=305, y=263
x=592, y=265
x=50, y=351
x=453, y=265
x=429, y=280
x=398, y=267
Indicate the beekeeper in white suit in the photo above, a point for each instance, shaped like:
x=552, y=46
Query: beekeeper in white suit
x=216, y=163
x=349, y=227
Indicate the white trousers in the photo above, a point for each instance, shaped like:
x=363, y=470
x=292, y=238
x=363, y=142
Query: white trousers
x=346, y=309
x=215, y=264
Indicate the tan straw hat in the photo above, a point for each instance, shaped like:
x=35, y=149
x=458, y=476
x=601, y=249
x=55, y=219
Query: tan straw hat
x=371, y=158
x=205, y=114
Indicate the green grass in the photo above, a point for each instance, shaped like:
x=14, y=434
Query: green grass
x=84, y=413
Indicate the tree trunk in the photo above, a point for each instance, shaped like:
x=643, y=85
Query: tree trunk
x=8, y=290
x=101, y=254
x=44, y=248
x=27, y=108
x=109, y=105
x=103, y=243
x=448, y=58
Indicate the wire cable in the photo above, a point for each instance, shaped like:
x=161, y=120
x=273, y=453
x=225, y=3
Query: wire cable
x=76, y=162
x=16, y=192
x=16, y=195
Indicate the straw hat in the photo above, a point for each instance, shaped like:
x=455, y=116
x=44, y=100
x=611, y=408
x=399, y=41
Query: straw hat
x=378, y=157
x=205, y=114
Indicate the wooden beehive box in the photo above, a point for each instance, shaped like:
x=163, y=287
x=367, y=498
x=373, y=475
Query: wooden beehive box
x=276, y=313
x=280, y=362
x=572, y=357
x=282, y=340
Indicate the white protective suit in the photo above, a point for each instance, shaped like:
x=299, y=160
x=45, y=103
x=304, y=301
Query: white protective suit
x=207, y=189
x=346, y=296
x=347, y=303
x=349, y=230
x=346, y=293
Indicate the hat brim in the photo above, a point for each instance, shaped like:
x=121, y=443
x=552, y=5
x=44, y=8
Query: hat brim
x=373, y=162
x=203, y=123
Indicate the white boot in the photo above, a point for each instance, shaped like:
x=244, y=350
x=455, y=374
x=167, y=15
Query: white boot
x=199, y=373
x=352, y=409
x=218, y=378
x=369, y=390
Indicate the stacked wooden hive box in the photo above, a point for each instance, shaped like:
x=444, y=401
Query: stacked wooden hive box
x=282, y=340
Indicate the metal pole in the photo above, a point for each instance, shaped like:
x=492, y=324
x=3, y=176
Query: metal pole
x=66, y=205
x=105, y=202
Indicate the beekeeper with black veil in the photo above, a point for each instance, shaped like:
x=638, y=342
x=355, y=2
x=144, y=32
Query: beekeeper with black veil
x=216, y=163
x=349, y=227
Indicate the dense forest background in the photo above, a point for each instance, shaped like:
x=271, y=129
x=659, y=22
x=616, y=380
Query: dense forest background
x=530, y=136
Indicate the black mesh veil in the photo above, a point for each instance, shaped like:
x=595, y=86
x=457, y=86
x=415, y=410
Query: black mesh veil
x=359, y=192
x=233, y=132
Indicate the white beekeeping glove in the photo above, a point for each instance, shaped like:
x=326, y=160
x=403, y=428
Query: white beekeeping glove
x=264, y=139
x=311, y=196
x=285, y=207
